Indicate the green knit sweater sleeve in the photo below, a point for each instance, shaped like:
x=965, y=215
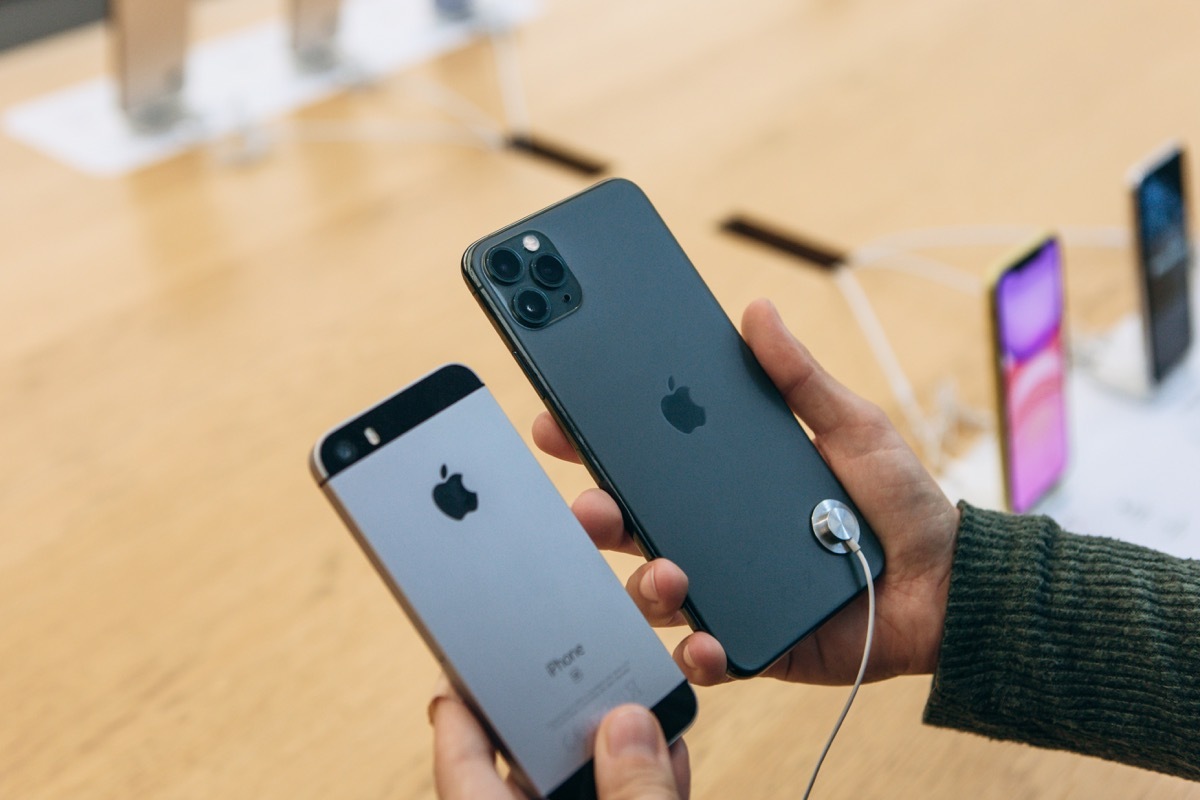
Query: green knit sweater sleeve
x=1071, y=642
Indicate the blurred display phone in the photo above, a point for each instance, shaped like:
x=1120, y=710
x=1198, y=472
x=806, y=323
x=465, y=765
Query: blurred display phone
x=314, y=32
x=1164, y=255
x=1030, y=367
x=526, y=617
x=672, y=414
x=454, y=9
x=150, y=39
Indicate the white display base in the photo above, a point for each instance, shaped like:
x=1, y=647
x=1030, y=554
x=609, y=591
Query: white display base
x=242, y=79
x=975, y=476
x=1134, y=461
x=1118, y=359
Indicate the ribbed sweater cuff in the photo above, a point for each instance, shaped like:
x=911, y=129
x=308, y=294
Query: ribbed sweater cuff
x=1071, y=642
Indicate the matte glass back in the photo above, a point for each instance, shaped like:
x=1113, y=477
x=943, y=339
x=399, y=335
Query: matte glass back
x=730, y=502
x=523, y=612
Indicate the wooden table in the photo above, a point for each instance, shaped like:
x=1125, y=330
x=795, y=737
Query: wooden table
x=184, y=616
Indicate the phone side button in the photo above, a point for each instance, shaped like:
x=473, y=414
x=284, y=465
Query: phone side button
x=528, y=375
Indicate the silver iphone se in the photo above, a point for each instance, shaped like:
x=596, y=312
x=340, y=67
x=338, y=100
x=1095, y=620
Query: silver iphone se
x=473, y=539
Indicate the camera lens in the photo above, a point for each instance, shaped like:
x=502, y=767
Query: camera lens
x=504, y=265
x=532, y=306
x=345, y=450
x=548, y=270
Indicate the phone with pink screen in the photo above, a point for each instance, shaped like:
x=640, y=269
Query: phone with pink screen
x=1027, y=325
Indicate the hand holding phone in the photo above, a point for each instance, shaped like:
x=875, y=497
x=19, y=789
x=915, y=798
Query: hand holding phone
x=906, y=507
x=632, y=758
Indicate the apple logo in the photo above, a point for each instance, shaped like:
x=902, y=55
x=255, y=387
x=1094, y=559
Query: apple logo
x=680, y=410
x=454, y=499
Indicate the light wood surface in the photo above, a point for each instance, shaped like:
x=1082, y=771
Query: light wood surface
x=183, y=616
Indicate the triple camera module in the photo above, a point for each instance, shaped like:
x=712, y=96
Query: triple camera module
x=532, y=278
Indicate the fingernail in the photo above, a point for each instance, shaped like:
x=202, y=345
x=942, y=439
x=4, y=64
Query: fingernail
x=648, y=587
x=687, y=657
x=432, y=705
x=441, y=691
x=632, y=731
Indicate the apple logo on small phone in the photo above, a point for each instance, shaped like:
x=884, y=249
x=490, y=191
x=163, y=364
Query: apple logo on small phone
x=454, y=499
x=680, y=409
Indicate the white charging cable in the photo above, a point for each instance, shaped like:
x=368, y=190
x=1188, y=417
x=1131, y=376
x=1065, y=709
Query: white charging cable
x=853, y=547
x=885, y=356
x=512, y=87
x=897, y=252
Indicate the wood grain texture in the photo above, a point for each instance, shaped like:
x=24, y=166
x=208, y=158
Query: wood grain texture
x=183, y=615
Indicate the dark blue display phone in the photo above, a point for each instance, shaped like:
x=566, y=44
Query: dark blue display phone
x=1164, y=252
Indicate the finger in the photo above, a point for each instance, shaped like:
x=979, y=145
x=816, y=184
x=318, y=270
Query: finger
x=702, y=659
x=681, y=767
x=658, y=588
x=832, y=655
x=548, y=436
x=632, y=762
x=824, y=404
x=600, y=516
x=464, y=761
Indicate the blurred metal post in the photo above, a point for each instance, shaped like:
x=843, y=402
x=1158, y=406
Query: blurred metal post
x=314, y=33
x=150, y=53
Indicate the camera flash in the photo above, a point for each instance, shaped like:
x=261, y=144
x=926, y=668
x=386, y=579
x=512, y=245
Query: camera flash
x=531, y=243
x=372, y=436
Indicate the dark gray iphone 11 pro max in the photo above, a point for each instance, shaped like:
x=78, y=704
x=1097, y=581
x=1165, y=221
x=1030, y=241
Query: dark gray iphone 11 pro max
x=672, y=414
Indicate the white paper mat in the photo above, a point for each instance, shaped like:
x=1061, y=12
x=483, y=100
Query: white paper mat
x=245, y=77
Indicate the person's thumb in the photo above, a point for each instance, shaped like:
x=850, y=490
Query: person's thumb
x=631, y=761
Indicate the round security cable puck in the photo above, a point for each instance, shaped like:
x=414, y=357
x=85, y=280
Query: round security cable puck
x=834, y=524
